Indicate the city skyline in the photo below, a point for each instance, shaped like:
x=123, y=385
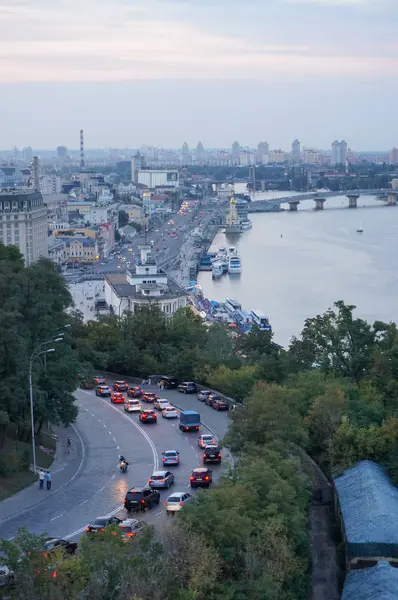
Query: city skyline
x=282, y=68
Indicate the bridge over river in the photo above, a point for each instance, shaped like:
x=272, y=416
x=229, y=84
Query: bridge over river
x=320, y=198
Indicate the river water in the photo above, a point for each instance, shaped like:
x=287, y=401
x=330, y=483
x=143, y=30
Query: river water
x=295, y=265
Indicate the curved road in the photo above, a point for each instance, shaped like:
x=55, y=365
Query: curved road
x=99, y=488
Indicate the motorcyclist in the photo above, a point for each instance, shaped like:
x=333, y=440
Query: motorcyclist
x=123, y=463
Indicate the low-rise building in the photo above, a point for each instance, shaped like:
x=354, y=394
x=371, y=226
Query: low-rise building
x=80, y=249
x=143, y=285
x=134, y=211
x=57, y=250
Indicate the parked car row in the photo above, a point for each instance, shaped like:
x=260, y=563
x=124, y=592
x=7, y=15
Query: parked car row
x=214, y=400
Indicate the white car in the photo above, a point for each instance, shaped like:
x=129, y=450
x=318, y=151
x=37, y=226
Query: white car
x=132, y=405
x=161, y=403
x=206, y=440
x=169, y=412
x=177, y=501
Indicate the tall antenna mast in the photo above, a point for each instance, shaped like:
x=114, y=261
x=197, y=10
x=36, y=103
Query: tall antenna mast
x=82, y=163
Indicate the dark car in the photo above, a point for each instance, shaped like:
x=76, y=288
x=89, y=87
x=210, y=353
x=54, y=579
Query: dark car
x=150, y=397
x=211, y=454
x=209, y=400
x=135, y=392
x=99, y=380
x=148, y=416
x=219, y=404
x=103, y=390
x=51, y=544
x=120, y=386
x=201, y=477
x=187, y=387
x=141, y=498
x=100, y=523
x=168, y=382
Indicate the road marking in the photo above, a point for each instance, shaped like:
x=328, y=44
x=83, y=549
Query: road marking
x=113, y=476
x=104, y=425
x=11, y=538
x=117, y=447
x=81, y=503
x=92, y=414
x=114, y=439
x=110, y=432
x=159, y=514
x=57, y=517
x=101, y=490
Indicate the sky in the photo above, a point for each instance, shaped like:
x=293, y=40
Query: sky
x=161, y=72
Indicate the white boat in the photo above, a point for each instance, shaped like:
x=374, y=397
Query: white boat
x=260, y=319
x=232, y=251
x=231, y=306
x=234, y=266
x=222, y=252
x=217, y=269
x=360, y=228
x=247, y=224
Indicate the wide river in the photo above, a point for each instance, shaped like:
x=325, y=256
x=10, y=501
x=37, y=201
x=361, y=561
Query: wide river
x=296, y=265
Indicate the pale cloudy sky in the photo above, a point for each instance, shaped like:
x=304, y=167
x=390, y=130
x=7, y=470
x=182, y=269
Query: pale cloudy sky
x=163, y=71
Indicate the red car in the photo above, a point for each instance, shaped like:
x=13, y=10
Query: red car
x=135, y=392
x=150, y=397
x=117, y=398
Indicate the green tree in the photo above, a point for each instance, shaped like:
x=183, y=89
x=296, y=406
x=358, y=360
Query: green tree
x=123, y=218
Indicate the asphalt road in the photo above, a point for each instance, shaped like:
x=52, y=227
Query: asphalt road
x=99, y=489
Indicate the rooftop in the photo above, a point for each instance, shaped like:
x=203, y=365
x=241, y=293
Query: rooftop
x=123, y=289
x=369, y=504
x=376, y=583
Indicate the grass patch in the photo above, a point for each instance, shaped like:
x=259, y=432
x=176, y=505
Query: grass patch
x=15, y=458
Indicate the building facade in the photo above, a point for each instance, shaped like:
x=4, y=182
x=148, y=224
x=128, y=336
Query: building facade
x=296, y=152
x=23, y=223
x=143, y=285
x=80, y=249
x=155, y=178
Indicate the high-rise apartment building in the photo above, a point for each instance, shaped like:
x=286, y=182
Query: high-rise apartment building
x=394, y=156
x=27, y=154
x=23, y=223
x=296, y=152
x=235, y=153
x=339, y=152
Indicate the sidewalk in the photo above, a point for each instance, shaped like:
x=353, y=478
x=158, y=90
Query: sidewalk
x=64, y=469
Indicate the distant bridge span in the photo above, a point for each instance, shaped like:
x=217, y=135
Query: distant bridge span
x=319, y=198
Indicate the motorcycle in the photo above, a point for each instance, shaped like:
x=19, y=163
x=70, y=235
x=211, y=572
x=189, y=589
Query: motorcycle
x=123, y=466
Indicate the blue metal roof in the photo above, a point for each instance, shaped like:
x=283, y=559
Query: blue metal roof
x=376, y=583
x=369, y=504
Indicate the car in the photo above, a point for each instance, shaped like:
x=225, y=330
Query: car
x=135, y=392
x=99, y=380
x=170, y=457
x=150, y=397
x=187, y=387
x=211, y=397
x=140, y=499
x=6, y=576
x=161, y=479
x=219, y=404
x=206, y=439
x=133, y=406
x=201, y=477
x=161, y=403
x=203, y=394
x=169, y=412
x=117, y=398
x=148, y=416
x=131, y=527
x=120, y=386
x=176, y=502
x=100, y=523
x=103, y=390
x=51, y=544
x=211, y=454
x=168, y=382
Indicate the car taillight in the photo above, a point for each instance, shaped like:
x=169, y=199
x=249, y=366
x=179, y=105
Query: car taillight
x=142, y=501
x=54, y=574
x=197, y=429
x=149, y=480
x=130, y=534
x=163, y=458
x=165, y=503
x=219, y=455
x=206, y=478
x=191, y=478
x=163, y=480
x=102, y=529
x=204, y=456
x=186, y=428
x=181, y=503
x=87, y=528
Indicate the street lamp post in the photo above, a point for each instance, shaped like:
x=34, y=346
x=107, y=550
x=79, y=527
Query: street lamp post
x=33, y=356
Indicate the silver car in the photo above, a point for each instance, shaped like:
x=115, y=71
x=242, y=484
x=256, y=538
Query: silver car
x=132, y=406
x=171, y=457
x=177, y=501
x=206, y=440
x=161, y=479
x=203, y=394
x=161, y=403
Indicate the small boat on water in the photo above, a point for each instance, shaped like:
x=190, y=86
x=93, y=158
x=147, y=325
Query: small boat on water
x=258, y=318
x=234, y=265
x=360, y=229
x=246, y=224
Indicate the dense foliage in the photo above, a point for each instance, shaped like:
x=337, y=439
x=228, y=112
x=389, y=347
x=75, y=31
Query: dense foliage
x=33, y=310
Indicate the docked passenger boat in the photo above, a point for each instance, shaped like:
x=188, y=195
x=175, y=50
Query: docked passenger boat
x=217, y=269
x=234, y=265
x=260, y=319
x=246, y=224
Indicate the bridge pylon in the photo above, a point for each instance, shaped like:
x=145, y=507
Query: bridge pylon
x=352, y=200
x=319, y=202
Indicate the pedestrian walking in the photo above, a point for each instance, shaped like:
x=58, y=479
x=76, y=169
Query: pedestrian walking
x=48, y=478
x=41, y=479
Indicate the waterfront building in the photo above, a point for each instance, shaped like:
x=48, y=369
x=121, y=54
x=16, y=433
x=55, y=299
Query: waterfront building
x=242, y=209
x=277, y=156
x=142, y=285
x=23, y=223
x=232, y=221
x=156, y=178
x=262, y=154
x=339, y=152
x=80, y=249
